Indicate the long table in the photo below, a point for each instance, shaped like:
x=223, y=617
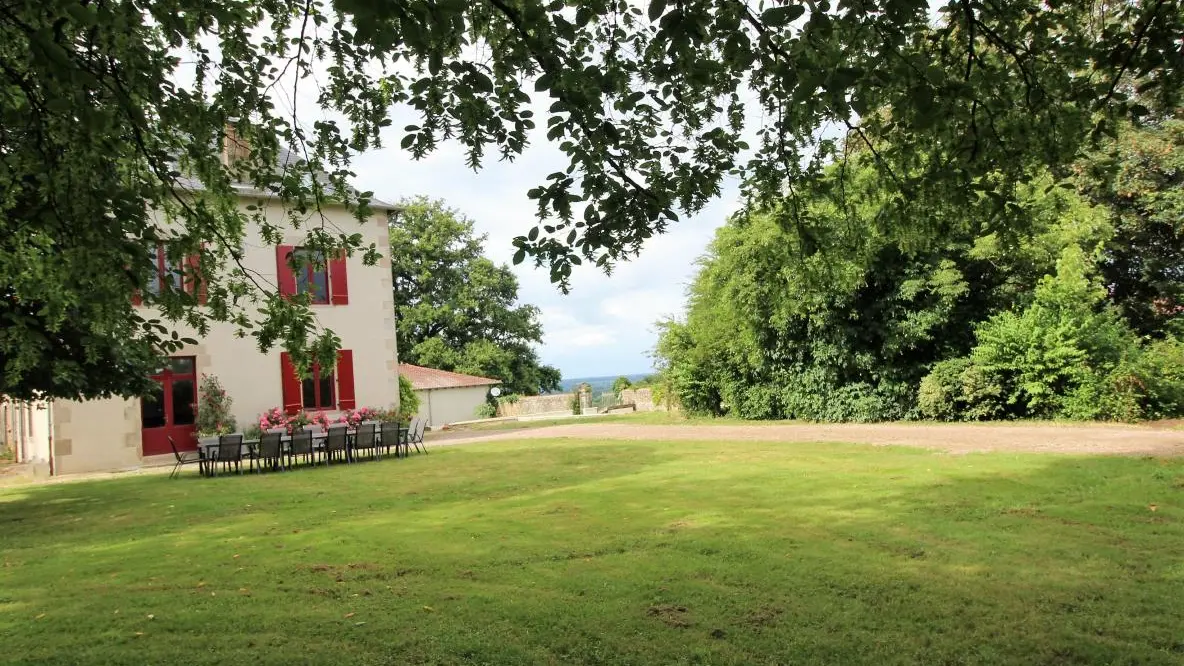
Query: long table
x=207, y=450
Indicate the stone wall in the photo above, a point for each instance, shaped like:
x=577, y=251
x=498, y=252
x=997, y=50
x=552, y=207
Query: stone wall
x=643, y=398
x=536, y=404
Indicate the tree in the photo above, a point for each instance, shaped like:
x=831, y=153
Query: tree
x=105, y=155
x=621, y=383
x=841, y=318
x=1139, y=179
x=457, y=310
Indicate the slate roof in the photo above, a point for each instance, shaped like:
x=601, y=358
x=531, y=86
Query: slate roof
x=286, y=159
x=423, y=379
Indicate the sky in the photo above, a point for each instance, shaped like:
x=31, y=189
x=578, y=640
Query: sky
x=605, y=325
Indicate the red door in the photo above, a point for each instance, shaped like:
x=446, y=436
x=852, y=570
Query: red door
x=171, y=409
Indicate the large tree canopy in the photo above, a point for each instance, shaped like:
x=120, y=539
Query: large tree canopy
x=457, y=310
x=112, y=113
x=1035, y=312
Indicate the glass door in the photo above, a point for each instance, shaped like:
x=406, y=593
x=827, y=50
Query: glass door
x=170, y=410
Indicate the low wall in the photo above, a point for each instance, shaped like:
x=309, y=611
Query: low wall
x=643, y=398
x=536, y=404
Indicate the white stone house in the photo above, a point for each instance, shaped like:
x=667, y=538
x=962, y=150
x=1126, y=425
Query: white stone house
x=352, y=299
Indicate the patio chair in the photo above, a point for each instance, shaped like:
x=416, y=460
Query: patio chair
x=230, y=450
x=271, y=451
x=365, y=440
x=186, y=458
x=301, y=445
x=415, y=436
x=390, y=437
x=336, y=443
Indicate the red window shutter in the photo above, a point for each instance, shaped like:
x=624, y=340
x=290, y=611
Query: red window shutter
x=194, y=283
x=136, y=298
x=338, y=285
x=291, y=385
x=285, y=278
x=345, y=380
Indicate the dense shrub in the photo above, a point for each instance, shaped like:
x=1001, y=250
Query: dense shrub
x=408, y=399
x=941, y=395
x=1067, y=355
x=1160, y=373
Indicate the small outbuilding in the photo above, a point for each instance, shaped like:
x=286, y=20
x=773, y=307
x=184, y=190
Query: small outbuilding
x=446, y=397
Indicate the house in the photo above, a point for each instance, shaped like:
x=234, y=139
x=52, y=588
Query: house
x=446, y=397
x=352, y=299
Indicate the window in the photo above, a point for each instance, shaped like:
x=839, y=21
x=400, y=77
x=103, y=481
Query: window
x=333, y=390
x=317, y=391
x=170, y=274
x=166, y=272
x=322, y=278
x=312, y=274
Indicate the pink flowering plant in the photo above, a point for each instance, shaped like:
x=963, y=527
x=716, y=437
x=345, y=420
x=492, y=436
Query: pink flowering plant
x=213, y=409
x=273, y=418
x=355, y=417
x=276, y=418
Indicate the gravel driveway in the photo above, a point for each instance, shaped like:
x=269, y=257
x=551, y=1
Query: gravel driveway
x=954, y=437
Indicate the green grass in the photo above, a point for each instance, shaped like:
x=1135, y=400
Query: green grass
x=623, y=553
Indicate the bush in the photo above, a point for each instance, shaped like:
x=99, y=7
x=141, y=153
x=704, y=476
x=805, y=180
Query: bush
x=408, y=400
x=940, y=396
x=213, y=409
x=485, y=410
x=1160, y=371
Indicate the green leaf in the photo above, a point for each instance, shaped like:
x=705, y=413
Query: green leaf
x=657, y=8
x=775, y=17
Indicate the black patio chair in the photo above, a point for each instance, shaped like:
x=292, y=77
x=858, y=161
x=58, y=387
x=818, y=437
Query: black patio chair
x=390, y=437
x=271, y=451
x=301, y=445
x=365, y=439
x=336, y=443
x=230, y=451
x=186, y=458
x=415, y=435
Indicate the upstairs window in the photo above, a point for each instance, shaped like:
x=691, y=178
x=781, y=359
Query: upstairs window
x=167, y=272
x=178, y=275
x=324, y=281
x=312, y=276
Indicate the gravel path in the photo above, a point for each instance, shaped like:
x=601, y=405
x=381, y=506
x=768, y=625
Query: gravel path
x=954, y=437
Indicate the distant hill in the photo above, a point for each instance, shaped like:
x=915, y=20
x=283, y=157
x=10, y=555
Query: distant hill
x=599, y=384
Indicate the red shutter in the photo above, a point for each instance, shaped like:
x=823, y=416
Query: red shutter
x=345, y=380
x=291, y=384
x=194, y=283
x=338, y=285
x=285, y=278
x=136, y=298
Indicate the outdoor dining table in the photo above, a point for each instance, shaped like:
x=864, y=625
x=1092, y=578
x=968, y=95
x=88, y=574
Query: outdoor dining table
x=207, y=449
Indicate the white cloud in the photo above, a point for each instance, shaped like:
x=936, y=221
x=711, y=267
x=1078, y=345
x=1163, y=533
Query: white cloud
x=567, y=333
x=605, y=326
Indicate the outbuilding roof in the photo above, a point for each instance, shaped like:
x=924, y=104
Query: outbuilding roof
x=423, y=379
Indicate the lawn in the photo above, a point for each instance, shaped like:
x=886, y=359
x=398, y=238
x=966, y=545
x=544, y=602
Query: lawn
x=622, y=553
